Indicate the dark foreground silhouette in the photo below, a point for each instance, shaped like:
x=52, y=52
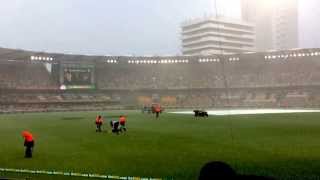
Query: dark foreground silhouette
x=221, y=170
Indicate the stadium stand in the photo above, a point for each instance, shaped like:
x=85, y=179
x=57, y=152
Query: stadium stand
x=35, y=81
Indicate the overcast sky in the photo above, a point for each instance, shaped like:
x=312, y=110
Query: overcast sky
x=119, y=27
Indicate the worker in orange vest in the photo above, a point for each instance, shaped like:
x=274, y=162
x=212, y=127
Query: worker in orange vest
x=122, y=121
x=158, y=111
x=28, y=143
x=99, y=123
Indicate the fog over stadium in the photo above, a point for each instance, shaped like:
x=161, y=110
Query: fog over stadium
x=159, y=89
x=116, y=27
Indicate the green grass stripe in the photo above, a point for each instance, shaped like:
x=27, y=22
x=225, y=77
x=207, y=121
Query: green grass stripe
x=175, y=146
x=89, y=175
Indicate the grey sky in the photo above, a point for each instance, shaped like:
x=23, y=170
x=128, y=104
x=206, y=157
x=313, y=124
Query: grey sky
x=118, y=27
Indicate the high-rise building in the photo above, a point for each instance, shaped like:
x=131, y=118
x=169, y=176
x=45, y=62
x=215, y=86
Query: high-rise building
x=219, y=35
x=276, y=23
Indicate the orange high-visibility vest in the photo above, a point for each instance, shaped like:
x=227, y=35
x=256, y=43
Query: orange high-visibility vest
x=99, y=120
x=27, y=136
x=158, y=109
x=122, y=120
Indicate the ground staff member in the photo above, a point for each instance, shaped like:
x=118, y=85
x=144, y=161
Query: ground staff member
x=28, y=143
x=99, y=123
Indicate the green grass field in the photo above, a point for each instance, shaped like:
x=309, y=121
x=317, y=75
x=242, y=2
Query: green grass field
x=283, y=146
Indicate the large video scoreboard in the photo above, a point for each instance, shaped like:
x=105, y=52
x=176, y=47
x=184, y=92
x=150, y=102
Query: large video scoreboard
x=77, y=76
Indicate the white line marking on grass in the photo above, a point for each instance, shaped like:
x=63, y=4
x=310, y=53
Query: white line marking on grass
x=27, y=171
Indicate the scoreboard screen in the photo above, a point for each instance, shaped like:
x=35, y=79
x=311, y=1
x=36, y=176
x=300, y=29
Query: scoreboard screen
x=77, y=77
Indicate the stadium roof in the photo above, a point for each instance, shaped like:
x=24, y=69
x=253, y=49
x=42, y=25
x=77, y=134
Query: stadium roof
x=25, y=55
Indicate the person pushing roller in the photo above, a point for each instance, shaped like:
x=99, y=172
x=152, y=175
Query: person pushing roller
x=122, y=121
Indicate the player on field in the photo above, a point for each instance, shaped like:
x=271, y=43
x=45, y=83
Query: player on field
x=28, y=143
x=99, y=122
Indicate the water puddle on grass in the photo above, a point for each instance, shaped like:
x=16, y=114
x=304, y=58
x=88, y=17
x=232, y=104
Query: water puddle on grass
x=251, y=111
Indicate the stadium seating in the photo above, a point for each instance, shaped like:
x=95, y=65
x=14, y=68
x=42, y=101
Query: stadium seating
x=25, y=76
x=250, y=80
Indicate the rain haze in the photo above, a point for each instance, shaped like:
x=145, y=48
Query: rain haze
x=113, y=27
x=159, y=89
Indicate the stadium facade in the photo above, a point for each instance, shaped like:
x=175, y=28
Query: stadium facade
x=219, y=35
x=39, y=81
